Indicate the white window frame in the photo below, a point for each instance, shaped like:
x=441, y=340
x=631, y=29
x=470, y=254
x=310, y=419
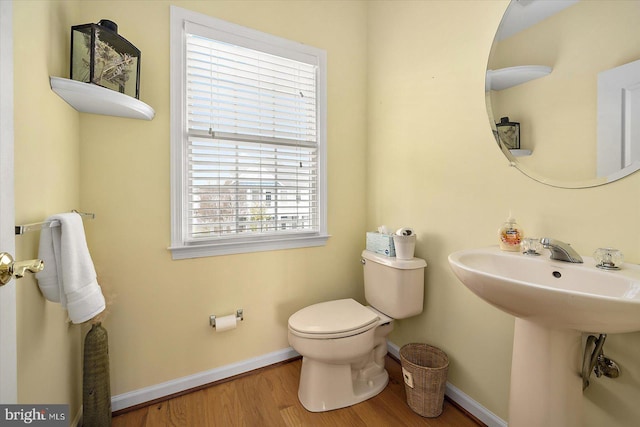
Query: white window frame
x=180, y=247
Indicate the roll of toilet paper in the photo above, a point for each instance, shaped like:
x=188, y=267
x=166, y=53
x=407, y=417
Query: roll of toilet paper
x=225, y=323
x=405, y=231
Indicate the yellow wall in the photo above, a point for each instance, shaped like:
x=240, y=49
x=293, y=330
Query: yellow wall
x=450, y=182
x=119, y=169
x=407, y=129
x=159, y=321
x=47, y=181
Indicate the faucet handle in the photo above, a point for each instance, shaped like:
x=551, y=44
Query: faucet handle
x=608, y=258
x=531, y=246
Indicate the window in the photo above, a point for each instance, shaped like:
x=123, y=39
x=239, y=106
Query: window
x=248, y=147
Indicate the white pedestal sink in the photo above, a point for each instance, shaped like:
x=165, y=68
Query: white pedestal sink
x=554, y=303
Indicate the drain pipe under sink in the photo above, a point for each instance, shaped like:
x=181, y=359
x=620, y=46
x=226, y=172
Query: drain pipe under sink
x=597, y=362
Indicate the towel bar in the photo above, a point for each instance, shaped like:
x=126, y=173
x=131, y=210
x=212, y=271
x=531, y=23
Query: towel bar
x=21, y=229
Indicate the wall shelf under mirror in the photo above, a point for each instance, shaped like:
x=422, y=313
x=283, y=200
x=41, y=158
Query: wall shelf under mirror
x=505, y=78
x=520, y=153
x=90, y=98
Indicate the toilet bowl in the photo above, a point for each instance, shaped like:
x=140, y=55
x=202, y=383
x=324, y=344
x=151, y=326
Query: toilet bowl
x=343, y=343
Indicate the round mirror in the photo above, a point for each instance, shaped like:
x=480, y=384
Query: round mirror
x=563, y=90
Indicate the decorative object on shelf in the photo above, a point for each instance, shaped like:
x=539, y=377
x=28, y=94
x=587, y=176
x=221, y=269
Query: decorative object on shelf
x=96, y=388
x=101, y=56
x=509, y=133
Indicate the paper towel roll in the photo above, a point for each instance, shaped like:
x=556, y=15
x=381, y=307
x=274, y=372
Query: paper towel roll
x=225, y=323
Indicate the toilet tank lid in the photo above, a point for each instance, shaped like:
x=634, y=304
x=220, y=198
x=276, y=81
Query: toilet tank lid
x=401, y=264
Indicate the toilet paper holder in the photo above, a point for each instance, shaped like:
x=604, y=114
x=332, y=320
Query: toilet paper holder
x=239, y=317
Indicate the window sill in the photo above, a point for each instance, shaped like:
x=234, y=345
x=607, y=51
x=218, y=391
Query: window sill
x=212, y=249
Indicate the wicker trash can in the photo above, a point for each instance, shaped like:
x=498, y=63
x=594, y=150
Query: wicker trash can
x=424, y=369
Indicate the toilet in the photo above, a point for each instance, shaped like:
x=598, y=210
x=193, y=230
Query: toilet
x=343, y=343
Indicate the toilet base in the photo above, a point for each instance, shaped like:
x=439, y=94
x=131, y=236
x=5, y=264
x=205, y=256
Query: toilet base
x=324, y=386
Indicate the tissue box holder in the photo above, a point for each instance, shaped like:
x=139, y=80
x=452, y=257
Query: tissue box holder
x=381, y=244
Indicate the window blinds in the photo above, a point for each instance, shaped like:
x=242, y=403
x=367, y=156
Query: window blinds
x=252, y=142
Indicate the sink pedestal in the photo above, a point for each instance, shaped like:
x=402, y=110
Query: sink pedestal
x=546, y=382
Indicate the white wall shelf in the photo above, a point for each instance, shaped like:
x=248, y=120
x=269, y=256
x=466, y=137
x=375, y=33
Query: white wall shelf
x=520, y=153
x=90, y=98
x=505, y=78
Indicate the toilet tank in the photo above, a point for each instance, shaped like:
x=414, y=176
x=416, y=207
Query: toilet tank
x=394, y=286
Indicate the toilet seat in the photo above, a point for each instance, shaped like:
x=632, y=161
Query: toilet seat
x=333, y=319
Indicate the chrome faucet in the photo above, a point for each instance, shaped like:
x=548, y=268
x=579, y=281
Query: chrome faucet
x=560, y=251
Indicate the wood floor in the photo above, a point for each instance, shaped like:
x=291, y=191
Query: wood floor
x=268, y=398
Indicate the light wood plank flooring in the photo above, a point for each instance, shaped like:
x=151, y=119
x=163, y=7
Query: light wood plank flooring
x=268, y=398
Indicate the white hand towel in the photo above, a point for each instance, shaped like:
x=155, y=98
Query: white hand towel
x=50, y=278
x=69, y=276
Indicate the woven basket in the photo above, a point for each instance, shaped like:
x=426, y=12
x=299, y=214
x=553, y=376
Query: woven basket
x=425, y=378
x=96, y=389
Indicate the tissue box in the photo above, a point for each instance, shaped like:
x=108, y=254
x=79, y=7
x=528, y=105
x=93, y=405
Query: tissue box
x=381, y=244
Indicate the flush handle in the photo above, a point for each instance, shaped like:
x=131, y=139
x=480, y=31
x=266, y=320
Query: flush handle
x=10, y=268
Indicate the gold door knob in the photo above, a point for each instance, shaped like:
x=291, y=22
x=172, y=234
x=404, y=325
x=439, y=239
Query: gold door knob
x=10, y=269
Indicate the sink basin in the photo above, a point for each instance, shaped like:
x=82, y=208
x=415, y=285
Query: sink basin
x=556, y=294
x=554, y=303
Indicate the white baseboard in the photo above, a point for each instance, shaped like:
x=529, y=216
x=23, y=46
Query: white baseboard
x=462, y=399
x=168, y=388
x=473, y=407
x=178, y=385
x=77, y=420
